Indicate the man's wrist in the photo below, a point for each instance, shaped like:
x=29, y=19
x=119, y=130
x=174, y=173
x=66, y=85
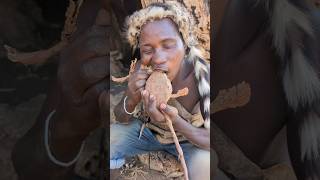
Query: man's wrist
x=130, y=104
x=176, y=122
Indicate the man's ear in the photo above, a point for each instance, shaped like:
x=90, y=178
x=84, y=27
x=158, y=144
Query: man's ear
x=136, y=53
x=136, y=50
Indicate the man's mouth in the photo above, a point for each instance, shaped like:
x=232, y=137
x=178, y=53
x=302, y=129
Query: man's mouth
x=164, y=70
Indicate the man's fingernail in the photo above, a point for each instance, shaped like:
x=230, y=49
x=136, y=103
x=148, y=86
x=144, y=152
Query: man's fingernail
x=163, y=106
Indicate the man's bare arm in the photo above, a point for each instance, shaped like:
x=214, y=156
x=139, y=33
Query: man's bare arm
x=197, y=136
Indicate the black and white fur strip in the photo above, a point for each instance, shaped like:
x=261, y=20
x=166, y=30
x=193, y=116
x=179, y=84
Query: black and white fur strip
x=296, y=37
x=202, y=74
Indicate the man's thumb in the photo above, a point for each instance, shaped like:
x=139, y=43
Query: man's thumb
x=166, y=109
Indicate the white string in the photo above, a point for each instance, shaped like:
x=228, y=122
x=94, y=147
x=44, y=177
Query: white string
x=49, y=153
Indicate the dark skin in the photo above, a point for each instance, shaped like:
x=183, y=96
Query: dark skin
x=78, y=95
x=162, y=47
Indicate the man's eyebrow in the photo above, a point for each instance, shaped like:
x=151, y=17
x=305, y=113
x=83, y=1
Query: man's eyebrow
x=166, y=40
x=145, y=45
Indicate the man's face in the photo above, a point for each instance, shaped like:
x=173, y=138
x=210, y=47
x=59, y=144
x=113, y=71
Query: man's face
x=162, y=47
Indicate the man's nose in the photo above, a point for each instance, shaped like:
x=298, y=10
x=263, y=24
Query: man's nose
x=158, y=58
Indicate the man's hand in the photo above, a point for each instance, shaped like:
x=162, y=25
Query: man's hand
x=158, y=114
x=169, y=111
x=136, y=84
x=82, y=77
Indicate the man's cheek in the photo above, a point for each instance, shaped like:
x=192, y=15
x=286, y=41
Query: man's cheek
x=145, y=60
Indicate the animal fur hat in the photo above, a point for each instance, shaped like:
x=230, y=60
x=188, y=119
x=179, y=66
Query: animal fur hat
x=156, y=11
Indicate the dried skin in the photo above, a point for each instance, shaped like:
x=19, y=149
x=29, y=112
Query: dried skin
x=160, y=86
x=236, y=96
x=36, y=57
x=124, y=79
x=71, y=19
x=181, y=92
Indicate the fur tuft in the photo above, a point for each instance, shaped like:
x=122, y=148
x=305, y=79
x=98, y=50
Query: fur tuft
x=286, y=17
x=300, y=81
x=310, y=137
x=293, y=33
x=202, y=75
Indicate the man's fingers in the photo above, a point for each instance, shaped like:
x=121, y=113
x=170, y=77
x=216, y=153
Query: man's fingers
x=136, y=86
x=152, y=104
x=169, y=110
x=153, y=110
x=95, y=69
x=140, y=74
x=140, y=83
x=140, y=90
x=145, y=98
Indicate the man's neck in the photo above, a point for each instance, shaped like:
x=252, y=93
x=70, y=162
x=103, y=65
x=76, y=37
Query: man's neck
x=186, y=69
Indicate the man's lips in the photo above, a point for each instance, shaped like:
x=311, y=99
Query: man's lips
x=165, y=70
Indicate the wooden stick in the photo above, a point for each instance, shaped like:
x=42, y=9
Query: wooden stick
x=178, y=147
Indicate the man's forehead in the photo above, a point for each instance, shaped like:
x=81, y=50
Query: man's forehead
x=162, y=27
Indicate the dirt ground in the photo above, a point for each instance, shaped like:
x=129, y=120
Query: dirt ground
x=135, y=170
